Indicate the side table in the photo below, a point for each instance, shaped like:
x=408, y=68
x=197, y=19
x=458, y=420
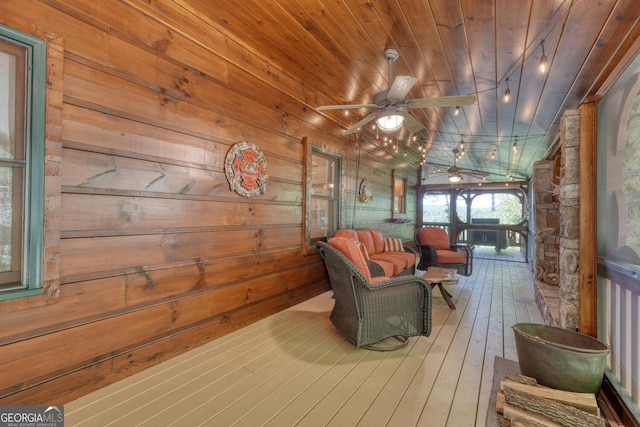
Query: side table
x=437, y=276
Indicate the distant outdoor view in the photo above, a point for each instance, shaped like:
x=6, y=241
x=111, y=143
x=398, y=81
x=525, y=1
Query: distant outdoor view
x=486, y=208
x=505, y=207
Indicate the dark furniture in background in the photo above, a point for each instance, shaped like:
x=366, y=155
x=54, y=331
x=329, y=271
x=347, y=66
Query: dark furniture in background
x=495, y=238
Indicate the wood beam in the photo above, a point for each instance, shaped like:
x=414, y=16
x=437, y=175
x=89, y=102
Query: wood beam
x=587, y=290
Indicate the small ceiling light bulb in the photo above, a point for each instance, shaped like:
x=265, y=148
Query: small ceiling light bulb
x=456, y=111
x=542, y=66
x=507, y=94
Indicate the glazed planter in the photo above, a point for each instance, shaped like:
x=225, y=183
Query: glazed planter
x=559, y=358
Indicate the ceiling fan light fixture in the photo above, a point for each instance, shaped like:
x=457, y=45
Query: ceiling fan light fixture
x=390, y=122
x=455, y=177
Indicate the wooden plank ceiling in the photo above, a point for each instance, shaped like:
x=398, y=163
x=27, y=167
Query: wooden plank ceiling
x=453, y=47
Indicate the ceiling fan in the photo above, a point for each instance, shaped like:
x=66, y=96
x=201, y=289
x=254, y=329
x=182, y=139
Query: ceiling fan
x=392, y=107
x=456, y=173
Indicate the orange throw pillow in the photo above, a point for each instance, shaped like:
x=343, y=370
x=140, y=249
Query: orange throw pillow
x=351, y=251
x=393, y=244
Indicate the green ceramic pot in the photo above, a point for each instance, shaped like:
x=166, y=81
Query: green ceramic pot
x=560, y=358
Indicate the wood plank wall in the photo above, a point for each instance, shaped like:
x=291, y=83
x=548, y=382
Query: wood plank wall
x=148, y=253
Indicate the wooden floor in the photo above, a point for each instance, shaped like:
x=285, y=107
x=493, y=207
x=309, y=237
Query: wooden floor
x=293, y=368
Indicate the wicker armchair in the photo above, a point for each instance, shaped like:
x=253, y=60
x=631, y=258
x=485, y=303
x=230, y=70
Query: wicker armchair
x=369, y=310
x=436, y=251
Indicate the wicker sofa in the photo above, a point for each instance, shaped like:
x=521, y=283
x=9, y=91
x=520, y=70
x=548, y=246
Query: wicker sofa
x=388, y=252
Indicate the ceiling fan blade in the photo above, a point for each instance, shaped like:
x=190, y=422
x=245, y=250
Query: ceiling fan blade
x=475, y=174
x=411, y=124
x=361, y=123
x=344, y=107
x=442, y=101
x=401, y=87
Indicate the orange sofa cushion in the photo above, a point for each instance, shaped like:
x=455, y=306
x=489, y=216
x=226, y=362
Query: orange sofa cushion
x=450, y=257
x=351, y=251
x=364, y=236
x=434, y=236
x=396, y=258
x=387, y=266
x=378, y=239
x=349, y=234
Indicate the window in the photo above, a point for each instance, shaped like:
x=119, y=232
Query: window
x=323, y=207
x=399, y=195
x=22, y=91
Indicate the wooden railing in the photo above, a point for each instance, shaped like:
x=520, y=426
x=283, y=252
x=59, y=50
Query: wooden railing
x=619, y=326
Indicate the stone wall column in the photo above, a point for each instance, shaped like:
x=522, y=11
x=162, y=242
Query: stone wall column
x=546, y=222
x=569, y=201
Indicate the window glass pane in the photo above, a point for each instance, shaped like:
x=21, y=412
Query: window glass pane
x=461, y=209
x=399, y=205
x=322, y=214
x=12, y=157
x=323, y=208
x=436, y=208
x=323, y=176
x=11, y=101
x=6, y=218
x=503, y=207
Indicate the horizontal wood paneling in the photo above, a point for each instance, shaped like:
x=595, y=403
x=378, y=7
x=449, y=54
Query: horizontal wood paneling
x=116, y=254
x=90, y=170
x=88, y=212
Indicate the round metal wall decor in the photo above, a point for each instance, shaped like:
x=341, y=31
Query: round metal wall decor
x=246, y=169
x=365, y=191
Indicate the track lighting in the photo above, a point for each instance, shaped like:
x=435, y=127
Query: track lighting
x=542, y=67
x=507, y=94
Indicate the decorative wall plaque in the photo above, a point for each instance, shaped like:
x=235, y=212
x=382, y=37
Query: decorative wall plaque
x=365, y=191
x=246, y=169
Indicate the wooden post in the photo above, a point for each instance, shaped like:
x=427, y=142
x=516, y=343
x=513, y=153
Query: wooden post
x=587, y=311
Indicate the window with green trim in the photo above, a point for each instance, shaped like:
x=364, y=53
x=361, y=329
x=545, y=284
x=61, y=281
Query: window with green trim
x=324, y=203
x=22, y=99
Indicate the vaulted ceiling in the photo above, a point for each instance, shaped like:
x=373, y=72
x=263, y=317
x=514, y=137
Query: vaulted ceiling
x=453, y=47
